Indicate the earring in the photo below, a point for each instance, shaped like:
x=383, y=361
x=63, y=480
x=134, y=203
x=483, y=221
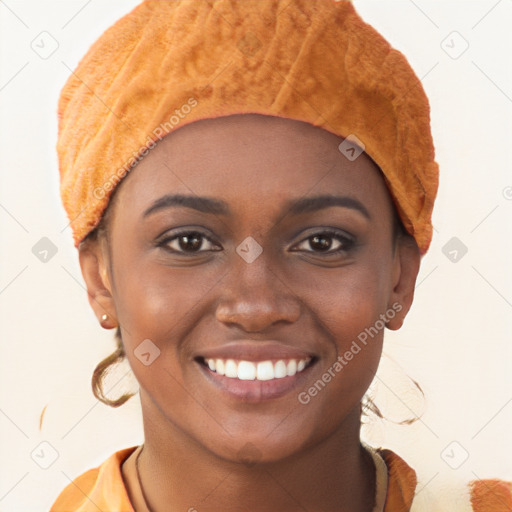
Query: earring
x=106, y=322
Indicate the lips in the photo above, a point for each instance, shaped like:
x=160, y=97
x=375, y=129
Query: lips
x=254, y=371
x=255, y=351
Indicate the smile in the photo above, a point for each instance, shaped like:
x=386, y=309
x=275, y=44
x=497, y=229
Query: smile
x=257, y=370
x=253, y=372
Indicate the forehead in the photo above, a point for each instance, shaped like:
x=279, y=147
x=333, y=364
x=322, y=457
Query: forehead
x=248, y=159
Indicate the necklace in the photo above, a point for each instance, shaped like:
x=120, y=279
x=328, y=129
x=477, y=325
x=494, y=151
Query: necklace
x=145, y=501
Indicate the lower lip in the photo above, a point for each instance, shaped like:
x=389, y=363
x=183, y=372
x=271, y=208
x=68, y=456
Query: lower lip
x=253, y=391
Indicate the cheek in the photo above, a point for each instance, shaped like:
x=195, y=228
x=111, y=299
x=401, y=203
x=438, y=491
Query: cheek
x=353, y=322
x=347, y=300
x=346, y=305
x=154, y=300
x=158, y=310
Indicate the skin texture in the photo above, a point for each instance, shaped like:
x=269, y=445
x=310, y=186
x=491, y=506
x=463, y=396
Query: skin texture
x=219, y=451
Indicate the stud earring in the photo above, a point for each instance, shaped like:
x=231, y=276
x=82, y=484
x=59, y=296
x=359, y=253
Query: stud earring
x=104, y=318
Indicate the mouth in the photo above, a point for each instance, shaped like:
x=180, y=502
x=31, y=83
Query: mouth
x=252, y=374
x=256, y=370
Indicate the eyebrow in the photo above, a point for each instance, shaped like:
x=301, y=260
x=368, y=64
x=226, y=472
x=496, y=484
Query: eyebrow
x=293, y=207
x=311, y=204
x=202, y=204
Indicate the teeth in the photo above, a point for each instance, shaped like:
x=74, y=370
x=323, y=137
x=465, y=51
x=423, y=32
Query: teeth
x=246, y=370
x=231, y=369
x=263, y=370
x=291, y=369
x=218, y=366
x=280, y=370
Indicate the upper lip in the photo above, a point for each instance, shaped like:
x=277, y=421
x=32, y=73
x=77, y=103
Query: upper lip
x=255, y=351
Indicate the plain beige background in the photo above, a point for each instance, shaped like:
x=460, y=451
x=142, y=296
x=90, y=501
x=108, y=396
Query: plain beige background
x=457, y=341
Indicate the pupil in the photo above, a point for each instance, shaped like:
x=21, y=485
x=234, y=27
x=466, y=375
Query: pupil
x=192, y=242
x=321, y=242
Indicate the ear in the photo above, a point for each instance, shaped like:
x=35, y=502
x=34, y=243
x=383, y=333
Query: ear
x=405, y=272
x=94, y=264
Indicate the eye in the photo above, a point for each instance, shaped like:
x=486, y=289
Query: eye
x=188, y=242
x=327, y=242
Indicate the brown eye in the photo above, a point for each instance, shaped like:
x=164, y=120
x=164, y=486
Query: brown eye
x=320, y=242
x=188, y=242
x=328, y=242
x=192, y=242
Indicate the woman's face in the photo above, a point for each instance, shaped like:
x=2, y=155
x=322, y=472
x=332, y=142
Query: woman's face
x=252, y=238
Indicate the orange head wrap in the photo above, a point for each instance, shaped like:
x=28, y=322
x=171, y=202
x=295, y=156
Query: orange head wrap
x=169, y=63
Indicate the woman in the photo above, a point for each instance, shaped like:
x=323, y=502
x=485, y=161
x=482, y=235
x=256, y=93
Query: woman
x=250, y=186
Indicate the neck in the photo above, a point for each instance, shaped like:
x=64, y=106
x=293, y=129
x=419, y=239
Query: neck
x=336, y=475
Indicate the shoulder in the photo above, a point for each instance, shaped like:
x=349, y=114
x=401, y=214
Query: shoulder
x=406, y=493
x=491, y=495
x=487, y=495
x=100, y=488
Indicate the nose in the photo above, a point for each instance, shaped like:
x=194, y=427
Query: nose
x=255, y=297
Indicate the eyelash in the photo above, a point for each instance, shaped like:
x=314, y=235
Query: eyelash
x=346, y=241
x=176, y=236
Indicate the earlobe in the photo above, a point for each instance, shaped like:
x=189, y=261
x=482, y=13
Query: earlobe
x=407, y=265
x=99, y=291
